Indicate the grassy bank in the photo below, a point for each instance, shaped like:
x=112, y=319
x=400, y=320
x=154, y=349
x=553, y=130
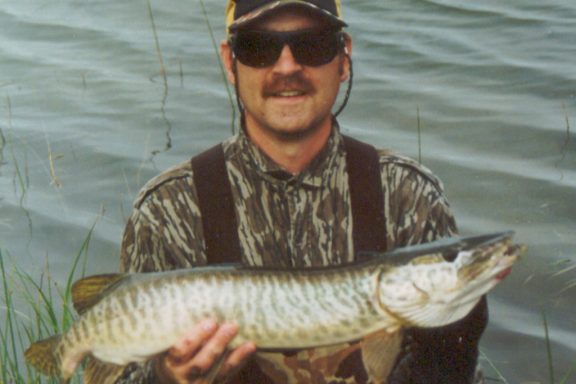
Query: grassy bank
x=33, y=308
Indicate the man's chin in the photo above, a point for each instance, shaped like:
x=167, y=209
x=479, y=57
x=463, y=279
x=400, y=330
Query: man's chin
x=293, y=135
x=294, y=132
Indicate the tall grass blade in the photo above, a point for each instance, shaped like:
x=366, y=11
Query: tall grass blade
x=20, y=180
x=419, y=126
x=222, y=71
x=67, y=314
x=501, y=377
x=168, y=144
x=2, y=146
x=157, y=44
x=548, y=348
x=568, y=374
x=8, y=338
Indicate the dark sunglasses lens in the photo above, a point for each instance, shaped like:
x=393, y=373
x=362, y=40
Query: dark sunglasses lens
x=315, y=48
x=257, y=49
x=262, y=49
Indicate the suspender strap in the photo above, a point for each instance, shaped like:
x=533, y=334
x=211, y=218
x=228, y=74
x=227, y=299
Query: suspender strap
x=219, y=215
x=366, y=196
x=217, y=206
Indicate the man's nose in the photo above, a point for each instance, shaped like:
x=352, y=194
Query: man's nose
x=286, y=63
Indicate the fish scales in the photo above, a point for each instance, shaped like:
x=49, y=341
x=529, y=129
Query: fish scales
x=289, y=302
x=138, y=316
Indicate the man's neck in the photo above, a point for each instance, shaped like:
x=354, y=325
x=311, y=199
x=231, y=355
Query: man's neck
x=292, y=154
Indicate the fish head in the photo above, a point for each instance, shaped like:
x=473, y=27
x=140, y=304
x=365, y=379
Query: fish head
x=433, y=290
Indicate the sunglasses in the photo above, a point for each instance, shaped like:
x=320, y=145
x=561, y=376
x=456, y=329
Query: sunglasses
x=310, y=47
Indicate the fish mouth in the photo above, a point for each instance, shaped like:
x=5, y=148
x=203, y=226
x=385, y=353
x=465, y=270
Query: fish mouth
x=503, y=274
x=512, y=253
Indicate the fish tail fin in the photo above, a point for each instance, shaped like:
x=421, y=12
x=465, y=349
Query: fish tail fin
x=41, y=355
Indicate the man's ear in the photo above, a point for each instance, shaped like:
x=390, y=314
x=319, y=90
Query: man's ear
x=227, y=58
x=346, y=60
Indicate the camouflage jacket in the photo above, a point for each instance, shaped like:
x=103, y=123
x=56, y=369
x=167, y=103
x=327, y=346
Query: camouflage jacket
x=290, y=221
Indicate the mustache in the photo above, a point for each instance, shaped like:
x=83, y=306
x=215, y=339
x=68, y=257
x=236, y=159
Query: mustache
x=292, y=82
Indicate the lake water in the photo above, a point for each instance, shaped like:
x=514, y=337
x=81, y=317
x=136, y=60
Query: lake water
x=86, y=118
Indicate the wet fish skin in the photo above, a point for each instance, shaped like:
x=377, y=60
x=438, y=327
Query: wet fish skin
x=137, y=316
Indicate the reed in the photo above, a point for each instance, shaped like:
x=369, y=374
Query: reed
x=21, y=179
x=221, y=66
x=419, y=127
x=550, y=359
x=548, y=347
x=2, y=146
x=567, y=378
x=48, y=311
x=500, y=377
x=167, y=122
x=22, y=327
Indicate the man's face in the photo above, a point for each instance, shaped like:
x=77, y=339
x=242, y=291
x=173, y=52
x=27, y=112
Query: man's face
x=287, y=99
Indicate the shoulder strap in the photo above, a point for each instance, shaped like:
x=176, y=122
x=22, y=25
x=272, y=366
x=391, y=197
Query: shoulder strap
x=216, y=206
x=219, y=215
x=366, y=196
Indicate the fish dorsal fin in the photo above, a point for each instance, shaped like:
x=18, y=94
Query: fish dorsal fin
x=88, y=291
x=98, y=372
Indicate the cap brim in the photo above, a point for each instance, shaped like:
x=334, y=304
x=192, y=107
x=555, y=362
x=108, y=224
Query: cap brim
x=267, y=9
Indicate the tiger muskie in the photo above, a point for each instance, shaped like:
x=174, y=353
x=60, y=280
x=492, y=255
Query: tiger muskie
x=128, y=318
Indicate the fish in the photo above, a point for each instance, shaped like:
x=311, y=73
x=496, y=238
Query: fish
x=125, y=318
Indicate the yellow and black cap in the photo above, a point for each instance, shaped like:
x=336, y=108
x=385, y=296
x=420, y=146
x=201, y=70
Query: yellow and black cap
x=240, y=13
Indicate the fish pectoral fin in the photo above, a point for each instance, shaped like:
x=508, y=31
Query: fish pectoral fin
x=98, y=372
x=88, y=291
x=379, y=353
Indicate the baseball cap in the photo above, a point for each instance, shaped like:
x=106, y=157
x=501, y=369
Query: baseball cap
x=240, y=13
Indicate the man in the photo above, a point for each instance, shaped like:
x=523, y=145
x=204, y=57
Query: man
x=292, y=185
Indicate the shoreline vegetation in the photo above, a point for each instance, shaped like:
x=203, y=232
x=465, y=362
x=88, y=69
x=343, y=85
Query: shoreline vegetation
x=34, y=309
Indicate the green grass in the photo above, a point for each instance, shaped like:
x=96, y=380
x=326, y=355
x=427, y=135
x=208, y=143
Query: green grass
x=552, y=371
x=550, y=359
x=221, y=66
x=48, y=312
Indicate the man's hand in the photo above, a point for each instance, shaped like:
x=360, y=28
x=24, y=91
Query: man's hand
x=199, y=351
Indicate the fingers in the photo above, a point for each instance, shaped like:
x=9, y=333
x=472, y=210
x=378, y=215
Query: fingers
x=215, y=345
x=237, y=359
x=202, y=350
x=191, y=343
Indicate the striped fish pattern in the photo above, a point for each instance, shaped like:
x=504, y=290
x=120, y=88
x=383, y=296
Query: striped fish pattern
x=130, y=318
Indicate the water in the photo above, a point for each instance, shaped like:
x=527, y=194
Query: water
x=86, y=119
